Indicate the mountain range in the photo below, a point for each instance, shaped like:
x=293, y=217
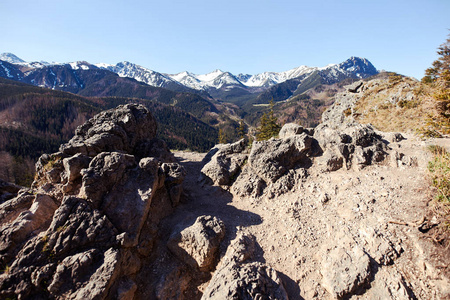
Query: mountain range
x=13, y=67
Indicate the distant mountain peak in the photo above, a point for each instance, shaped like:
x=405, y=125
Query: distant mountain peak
x=358, y=65
x=11, y=58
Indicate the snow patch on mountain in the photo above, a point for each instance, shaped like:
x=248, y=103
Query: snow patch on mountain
x=7, y=71
x=81, y=65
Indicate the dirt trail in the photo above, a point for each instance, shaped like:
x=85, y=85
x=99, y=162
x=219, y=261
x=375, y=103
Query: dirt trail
x=378, y=208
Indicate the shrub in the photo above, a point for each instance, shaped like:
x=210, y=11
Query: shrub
x=439, y=168
x=408, y=104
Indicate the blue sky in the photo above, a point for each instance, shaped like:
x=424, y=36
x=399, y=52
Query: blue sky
x=240, y=36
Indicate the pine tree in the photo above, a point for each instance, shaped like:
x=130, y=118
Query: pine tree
x=438, y=76
x=222, y=137
x=241, y=130
x=268, y=125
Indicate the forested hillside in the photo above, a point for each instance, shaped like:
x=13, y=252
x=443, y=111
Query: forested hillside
x=36, y=120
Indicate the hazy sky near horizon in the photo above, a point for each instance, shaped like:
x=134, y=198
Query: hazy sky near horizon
x=240, y=36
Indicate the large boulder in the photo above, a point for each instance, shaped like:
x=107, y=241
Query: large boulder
x=290, y=129
x=273, y=158
x=350, y=145
x=278, y=163
x=120, y=129
x=223, y=163
x=198, y=244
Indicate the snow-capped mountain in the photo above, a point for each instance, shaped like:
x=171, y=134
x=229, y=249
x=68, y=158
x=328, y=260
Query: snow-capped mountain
x=354, y=67
x=11, y=58
x=127, y=69
x=216, y=79
x=267, y=79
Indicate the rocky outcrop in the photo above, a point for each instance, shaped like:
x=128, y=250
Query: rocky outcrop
x=87, y=226
x=241, y=278
x=351, y=145
x=224, y=162
x=290, y=129
x=278, y=163
x=100, y=220
x=198, y=244
x=275, y=166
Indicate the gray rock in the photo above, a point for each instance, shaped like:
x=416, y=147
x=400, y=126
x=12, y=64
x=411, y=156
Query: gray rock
x=290, y=129
x=76, y=224
x=155, y=148
x=49, y=169
x=174, y=175
x=273, y=158
x=15, y=233
x=101, y=268
x=331, y=160
x=351, y=144
x=248, y=184
x=239, y=278
x=224, y=162
x=344, y=270
x=354, y=87
x=383, y=248
x=198, y=245
x=10, y=209
x=74, y=164
x=390, y=285
x=105, y=170
x=119, y=129
x=393, y=137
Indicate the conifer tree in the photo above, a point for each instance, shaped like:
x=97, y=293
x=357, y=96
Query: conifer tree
x=222, y=137
x=241, y=130
x=268, y=125
x=439, y=77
